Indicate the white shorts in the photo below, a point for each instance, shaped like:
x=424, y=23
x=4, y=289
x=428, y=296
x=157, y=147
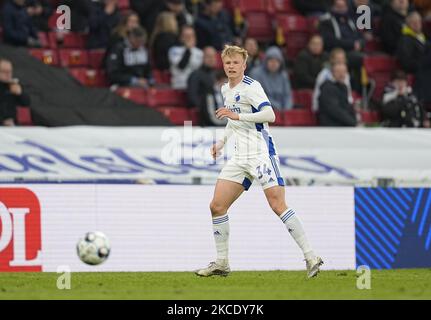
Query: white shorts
x=265, y=169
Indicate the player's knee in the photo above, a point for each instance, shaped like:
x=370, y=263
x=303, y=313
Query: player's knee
x=217, y=208
x=278, y=206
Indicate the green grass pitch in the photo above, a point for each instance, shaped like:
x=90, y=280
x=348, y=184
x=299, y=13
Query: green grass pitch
x=385, y=284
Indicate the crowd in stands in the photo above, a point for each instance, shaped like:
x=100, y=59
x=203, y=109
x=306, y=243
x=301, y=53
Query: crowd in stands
x=316, y=64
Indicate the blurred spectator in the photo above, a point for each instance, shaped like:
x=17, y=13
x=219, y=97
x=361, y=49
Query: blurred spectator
x=355, y=4
x=414, y=55
x=274, y=79
x=393, y=18
x=424, y=7
x=412, y=45
x=164, y=37
x=309, y=63
x=149, y=10
x=312, y=7
x=335, y=110
x=254, y=55
x=128, y=62
x=214, y=26
x=184, y=59
x=40, y=11
x=80, y=11
x=336, y=56
x=203, y=91
x=18, y=27
x=104, y=17
x=400, y=107
x=339, y=30
x=128, y=21
x=11, y=94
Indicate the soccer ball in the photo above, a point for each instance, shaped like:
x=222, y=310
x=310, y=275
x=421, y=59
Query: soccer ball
x=94, y=248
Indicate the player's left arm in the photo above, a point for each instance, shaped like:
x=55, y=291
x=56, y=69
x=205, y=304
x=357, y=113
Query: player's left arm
x=262, y=109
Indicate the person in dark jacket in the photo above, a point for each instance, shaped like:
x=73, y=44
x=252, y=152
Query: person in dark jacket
x=128, y=62
x=104, y=17
x=18, y=27
x=338, y=30
x=11, y=94
x=393, y=19
x=164, y=37
x=312, y=7
x=202, y=92
x=412, y=45
x=40, y=11
x=80, y=11
x=309, y=63
x=400, y=106
x=334, y=107
x=214, y=26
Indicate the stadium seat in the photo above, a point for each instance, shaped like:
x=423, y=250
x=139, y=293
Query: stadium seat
x=123, y=4
x=23, y=115
x=370, y=117
x=283, y=6
x=279, y=119
x=96, y=58
x=73, y=58
x=177, y=115
x=259, y=26
x=303, y=98
x=246, y=6
x=162, y=77
x=75, y=40
x=296, y=31
x=137, y=95
x=373, y=45
x=378, y=68
x=313, y=25
x=219, y=63
x=52, y=20
x=47, y=56
x=299, y=117
x=161, y=97
x=194, y=116
x=89, y=77
x=43, y=39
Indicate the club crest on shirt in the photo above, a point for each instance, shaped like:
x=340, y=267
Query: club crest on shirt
x=237, y=97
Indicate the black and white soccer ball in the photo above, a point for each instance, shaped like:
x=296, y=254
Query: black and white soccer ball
x=94, y=248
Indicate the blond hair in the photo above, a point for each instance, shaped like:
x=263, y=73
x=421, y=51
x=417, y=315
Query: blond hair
x=231, y=50
x=165, y=22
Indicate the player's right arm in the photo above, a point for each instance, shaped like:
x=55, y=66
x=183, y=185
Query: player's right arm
x=218, y=145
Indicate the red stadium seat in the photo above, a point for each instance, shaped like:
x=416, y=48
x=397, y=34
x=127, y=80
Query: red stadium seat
x=75, y=40
x=259, y=26
x=219, y=63
x=89, y=77
x=283, y=6
x=52, y=20
x=43, y=39
x=177, y=115
x=73, y=58
x=299, y=117
x=379, y=69
x=23, y=115
x=123, y=4
x=296, y=32
x=162, y=77
x=96, y=58
x=303, y=98
x=161, y=97
x=373, y=46
x=279, y=118
x=137, y=95
x=253, y=5
x=47, y=56
x=370, y=117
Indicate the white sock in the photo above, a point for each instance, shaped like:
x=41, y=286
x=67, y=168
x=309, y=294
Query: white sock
x=221, y=237
x=295, y=229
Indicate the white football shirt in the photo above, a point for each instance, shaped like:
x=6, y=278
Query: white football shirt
x=251, y=139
